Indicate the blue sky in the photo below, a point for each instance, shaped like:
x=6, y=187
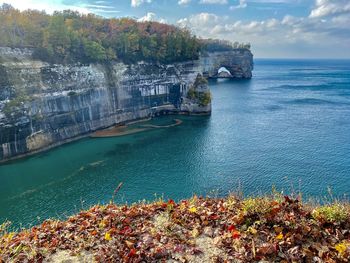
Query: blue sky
x=275, y=28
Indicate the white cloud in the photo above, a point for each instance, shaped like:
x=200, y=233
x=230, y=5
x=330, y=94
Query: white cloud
x=277, y=37
x=151, y=17
x=184, y=2
x=100, y=7
x=49, y=7
x=242, y=4
x=201, y=20
x=325, y=8
x=135, y=3
x=267, y=3
x=220, y=2
x=273, y=1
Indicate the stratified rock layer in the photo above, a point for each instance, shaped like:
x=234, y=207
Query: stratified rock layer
x=43, y=105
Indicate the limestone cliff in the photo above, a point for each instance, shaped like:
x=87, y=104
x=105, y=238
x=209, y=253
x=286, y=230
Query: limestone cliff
x=43, y=105
x=238, y=62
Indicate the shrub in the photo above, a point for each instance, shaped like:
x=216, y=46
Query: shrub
x=200, y=80
x=17, y=102
x=94, y=51
x=253, y=206
x=191, y=94
x=4, y=227
x=205, y=98
x=335, y=213
x=43, y=54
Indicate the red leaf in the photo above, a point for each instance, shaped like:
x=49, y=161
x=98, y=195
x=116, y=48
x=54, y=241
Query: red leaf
x=236, y=234
x=231, y=228
x=171, y=202
x=214, y=217
x=132, y=252
x=126, y=230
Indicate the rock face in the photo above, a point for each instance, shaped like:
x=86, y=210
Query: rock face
x=238, y=62
x=43, y=105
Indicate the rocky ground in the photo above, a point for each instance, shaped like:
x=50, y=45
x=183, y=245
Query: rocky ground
x=265, y=229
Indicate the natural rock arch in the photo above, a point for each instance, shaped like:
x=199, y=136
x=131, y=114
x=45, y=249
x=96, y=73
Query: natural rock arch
x=238, y=62
x=223, y=72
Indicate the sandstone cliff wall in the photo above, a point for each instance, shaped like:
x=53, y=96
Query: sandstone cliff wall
x=43, y=105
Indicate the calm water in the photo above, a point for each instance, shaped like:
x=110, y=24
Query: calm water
x=289, y=126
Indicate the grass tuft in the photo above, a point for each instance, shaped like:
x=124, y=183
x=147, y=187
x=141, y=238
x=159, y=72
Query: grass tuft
x=256, y=206
x=334, y=213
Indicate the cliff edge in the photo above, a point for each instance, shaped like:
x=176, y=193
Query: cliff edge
x=263, y=229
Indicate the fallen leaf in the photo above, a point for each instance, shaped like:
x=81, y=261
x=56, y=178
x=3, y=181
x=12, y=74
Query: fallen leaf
x=252, y=230
x=279, y=236
x=108, y=236
x=195, y=233
x=129, y=244
x=192, y=209
x=342, y=247
x=236, y=234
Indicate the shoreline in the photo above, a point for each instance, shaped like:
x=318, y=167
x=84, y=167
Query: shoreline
x=66, y=141
x=119, y=130
x=87, y=135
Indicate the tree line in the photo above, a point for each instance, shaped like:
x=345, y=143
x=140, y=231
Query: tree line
x=69, y=37
x=213, y=45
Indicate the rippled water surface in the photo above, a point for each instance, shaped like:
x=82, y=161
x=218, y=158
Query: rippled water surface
x=289, y=126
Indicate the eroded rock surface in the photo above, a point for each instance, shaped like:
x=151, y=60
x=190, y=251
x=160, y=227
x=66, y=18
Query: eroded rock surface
x=43, y=105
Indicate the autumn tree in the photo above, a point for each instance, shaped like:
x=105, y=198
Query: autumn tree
x=94, y=51
x=56, y=38
x=69, y=37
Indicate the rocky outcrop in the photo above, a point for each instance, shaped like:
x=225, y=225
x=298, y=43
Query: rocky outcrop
x=239, y=63
x=43, y=105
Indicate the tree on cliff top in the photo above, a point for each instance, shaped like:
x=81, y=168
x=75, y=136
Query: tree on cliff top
x=56, y=38
x=68, y=37
x=214, y=45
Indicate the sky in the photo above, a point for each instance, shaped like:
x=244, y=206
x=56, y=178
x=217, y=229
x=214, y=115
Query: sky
x=275, y=28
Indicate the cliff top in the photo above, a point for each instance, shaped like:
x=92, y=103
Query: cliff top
x=69, y=37
x=274, y=229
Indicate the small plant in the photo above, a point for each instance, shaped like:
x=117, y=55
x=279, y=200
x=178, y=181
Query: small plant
x=256, y=206
x=4, y=227
x=335, y=213
x=205, y=98
x=200, y=80
x=191, y=94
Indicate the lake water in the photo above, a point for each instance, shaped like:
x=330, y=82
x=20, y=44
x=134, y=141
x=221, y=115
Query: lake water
x=289, y=127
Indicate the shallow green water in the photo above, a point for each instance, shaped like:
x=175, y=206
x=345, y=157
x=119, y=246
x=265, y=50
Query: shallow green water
x=289, y=126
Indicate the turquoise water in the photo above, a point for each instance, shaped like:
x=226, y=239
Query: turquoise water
x=289, y=126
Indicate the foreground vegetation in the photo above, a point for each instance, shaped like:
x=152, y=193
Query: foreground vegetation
x=69, y=37
x=273, y=229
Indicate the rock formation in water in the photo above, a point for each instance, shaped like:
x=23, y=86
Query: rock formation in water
x=238, y=62
x=43, y=105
